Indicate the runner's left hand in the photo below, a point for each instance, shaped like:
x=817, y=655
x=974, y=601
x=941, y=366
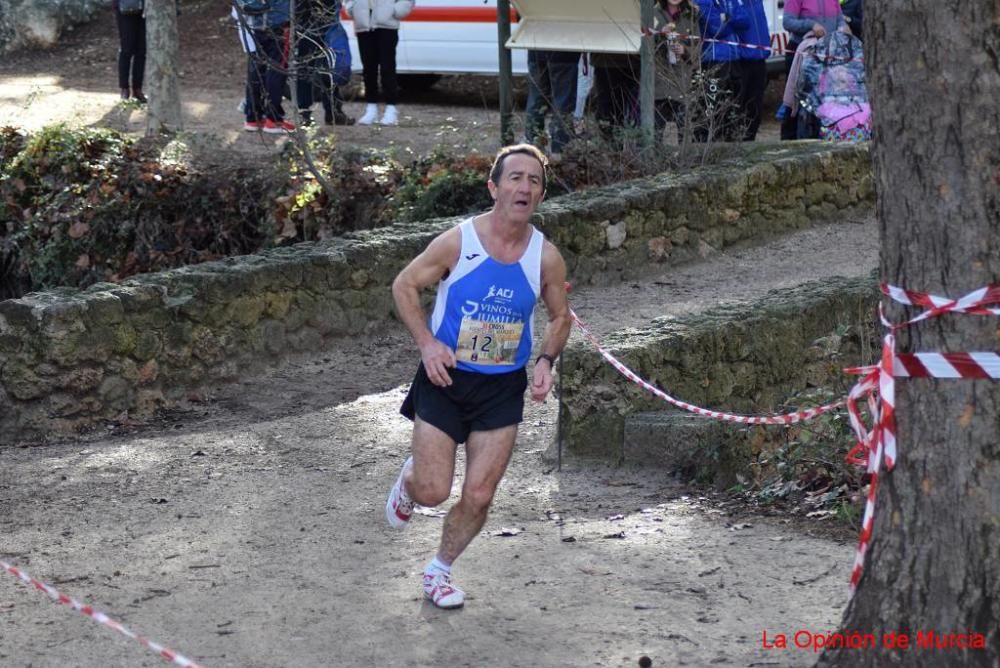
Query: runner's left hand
x=541, y=380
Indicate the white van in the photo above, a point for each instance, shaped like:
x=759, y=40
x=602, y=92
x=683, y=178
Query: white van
x=460, y=37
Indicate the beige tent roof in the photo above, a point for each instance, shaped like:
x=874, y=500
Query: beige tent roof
x=608, y=26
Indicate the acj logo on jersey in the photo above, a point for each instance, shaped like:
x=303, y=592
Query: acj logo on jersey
x=502, y=294
x=495, y=306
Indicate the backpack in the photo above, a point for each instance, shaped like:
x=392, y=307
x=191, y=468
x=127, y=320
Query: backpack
x=831, y=87
x=252, y=7
x=130, y=7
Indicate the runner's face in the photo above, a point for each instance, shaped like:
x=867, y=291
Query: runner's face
x=520, y=188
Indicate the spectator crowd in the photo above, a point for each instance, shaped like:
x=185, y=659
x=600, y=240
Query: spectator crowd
x=710, y=60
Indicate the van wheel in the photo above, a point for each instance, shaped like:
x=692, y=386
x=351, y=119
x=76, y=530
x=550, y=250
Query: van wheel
x=417, y=82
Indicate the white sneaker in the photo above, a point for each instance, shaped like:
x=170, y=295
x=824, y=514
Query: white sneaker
x=439, y=590
x=398, y=510
x=371, y=113
x=390, y=116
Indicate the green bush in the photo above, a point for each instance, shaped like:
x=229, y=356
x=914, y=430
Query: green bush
x=80, y=206
x=442, y=185
x=360, y=185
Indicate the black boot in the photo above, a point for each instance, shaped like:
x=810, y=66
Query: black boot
x=306, y=116
x=340, y=118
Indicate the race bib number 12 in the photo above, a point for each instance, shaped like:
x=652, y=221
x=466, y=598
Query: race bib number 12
x=481, y=342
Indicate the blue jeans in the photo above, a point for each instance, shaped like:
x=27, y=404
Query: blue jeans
x=551, y=87
x=266, y=76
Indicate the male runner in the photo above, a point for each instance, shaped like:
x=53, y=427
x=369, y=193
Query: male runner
x=469, y=388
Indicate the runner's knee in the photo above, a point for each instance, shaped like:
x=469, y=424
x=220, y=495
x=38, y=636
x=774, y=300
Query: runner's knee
x=429, y=492
x=478, y=497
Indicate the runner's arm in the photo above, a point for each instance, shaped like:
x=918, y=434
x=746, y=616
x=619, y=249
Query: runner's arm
x=557, y=328
x=424, y=271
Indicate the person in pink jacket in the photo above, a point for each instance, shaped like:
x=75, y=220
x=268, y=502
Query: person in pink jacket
x=376, y=25
x=800, y=17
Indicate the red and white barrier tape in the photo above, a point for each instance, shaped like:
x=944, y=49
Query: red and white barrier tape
x=946, y=365
x=878, y=444
x=98, y=616
x=877, y=387
x=789, y=418
x=650, y=32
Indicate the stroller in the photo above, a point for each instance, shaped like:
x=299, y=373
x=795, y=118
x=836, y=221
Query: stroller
x=830, y=90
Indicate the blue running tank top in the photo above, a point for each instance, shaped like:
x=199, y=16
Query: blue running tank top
x=484, y=308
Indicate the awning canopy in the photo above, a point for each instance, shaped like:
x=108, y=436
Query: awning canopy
x=604, y=26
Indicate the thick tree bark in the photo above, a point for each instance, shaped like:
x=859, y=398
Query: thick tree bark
x=933, y=70
x=164, y=112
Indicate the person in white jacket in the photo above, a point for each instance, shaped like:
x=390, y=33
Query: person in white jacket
x=376, y=24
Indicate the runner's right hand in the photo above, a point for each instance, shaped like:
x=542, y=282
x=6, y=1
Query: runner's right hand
x=437, y=358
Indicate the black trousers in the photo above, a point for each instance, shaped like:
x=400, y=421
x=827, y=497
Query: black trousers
x=131, y=50
x=266, y=76
x=314, y=80
x=616, y=91
x=378, y=56
x=750, y=96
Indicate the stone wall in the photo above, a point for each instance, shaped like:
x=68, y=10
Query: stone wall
x=745, y=359
x=71, y=358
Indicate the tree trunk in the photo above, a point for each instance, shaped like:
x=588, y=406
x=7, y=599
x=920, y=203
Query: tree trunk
x=934, y=560
x=164, y=109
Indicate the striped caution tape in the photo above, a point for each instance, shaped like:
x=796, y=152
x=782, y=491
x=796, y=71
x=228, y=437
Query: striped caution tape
x=877, y=444
x=876, y=388
x=99, y=617
x=650, y=32
x=789, y=418
x=946, y=365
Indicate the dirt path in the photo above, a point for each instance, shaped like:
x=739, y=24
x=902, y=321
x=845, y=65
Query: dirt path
x=247, y=530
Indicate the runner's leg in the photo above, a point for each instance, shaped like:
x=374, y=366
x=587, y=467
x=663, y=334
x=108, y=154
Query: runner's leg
x=487, y=456
x=429, y=481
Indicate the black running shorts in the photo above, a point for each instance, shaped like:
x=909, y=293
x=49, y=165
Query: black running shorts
x=473, y=401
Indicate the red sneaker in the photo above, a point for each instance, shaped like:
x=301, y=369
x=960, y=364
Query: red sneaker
x=398, y=509
x=253, y=126
x=278, y=127
x=439, y=590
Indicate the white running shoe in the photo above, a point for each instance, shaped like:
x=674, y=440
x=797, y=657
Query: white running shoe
x=439, y=590
x=371, y=113
x=390, y=116
x=398, y=510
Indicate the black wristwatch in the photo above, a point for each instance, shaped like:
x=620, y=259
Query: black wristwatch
x=546, y=356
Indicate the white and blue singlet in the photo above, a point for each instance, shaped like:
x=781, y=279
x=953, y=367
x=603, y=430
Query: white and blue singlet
x=484, y=308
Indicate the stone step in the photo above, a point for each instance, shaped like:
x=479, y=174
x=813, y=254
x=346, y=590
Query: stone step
x=692, y=447
x=745, y=358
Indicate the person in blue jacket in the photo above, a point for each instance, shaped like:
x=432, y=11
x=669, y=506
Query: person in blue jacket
x=753, y=67
x=721, y=21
